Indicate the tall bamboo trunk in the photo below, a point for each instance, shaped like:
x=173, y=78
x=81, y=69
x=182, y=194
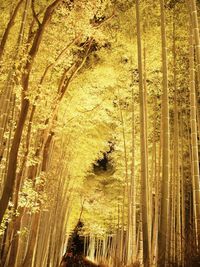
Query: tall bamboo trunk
x=155, y=178
x=164, y=216
x=194, y=143
x=144, y=170
x=183, y=199
x=133, y=242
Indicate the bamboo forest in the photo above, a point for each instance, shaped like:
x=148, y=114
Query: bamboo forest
x=99, y=133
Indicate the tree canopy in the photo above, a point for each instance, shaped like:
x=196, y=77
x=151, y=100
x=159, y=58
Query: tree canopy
x=99, y=123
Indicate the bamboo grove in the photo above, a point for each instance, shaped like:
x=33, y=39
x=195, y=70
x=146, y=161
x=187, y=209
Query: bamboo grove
x=100, y=123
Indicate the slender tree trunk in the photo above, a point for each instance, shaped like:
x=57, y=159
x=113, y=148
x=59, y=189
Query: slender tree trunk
x=176, y=152
x=133, y=244
x=155, y=178
x=194, y=143
x=164, y=217
x=144, y=170
x=183, y=236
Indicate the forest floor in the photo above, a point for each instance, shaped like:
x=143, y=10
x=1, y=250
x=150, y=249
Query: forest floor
x=78, y=261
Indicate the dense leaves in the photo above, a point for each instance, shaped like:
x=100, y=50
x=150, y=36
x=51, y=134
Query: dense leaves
x=70, y=127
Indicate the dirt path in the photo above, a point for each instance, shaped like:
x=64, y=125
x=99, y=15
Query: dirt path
x=77, y=261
